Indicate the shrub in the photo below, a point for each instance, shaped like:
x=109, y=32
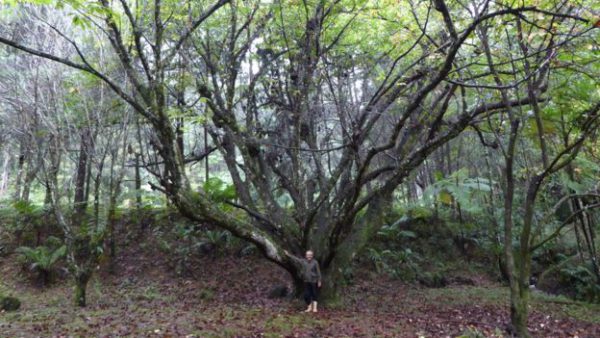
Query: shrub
x=43, y=260
x=396, y=263
x=583, y=281
x=8, y=303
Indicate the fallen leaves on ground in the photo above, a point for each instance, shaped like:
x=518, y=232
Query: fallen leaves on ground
x=228, y=299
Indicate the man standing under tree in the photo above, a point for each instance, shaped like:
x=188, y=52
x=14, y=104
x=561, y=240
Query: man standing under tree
x=311, y=274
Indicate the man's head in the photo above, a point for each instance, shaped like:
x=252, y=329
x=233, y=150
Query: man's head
x=309, y=255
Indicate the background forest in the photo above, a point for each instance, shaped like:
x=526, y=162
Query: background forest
x=442, y=155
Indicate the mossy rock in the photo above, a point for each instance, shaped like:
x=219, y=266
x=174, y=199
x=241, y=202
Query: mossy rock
x=9, y=303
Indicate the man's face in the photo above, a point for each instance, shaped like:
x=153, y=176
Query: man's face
x=309, y=255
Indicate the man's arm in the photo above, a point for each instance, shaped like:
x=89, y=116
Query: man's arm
x=296, y=260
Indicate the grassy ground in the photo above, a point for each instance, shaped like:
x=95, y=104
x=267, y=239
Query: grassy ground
x=226, y=298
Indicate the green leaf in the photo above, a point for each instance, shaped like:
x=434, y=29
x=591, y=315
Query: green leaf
x=218, y=191
x=445, y=197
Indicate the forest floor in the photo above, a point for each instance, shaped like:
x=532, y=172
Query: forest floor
x=227, y=298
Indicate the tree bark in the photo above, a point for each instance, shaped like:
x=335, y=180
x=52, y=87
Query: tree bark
x=79, y=201
x=5, y=173
x=80, y=294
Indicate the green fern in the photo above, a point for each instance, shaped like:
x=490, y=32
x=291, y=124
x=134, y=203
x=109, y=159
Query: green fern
x=42, y=260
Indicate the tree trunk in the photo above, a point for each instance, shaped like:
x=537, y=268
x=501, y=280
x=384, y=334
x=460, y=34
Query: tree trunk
x=5, y=171
x=332, y=279
x=112, y=219
x=329, y=292
x=81, y=281
x=29, y=177
x=44, y=277
x=298, y=282
x=138, y=184
x=206, y=164
x=138, y=176
x=80, y=201
x=519, y=297
x=138, y=196
x=18, y=179
x=48, y=195
x=97, y=183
